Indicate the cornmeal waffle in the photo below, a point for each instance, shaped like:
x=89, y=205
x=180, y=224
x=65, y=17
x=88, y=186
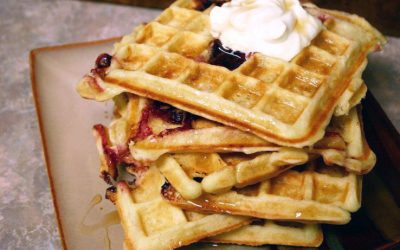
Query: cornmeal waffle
x=229, y=170
x=319, y=193
x=158, y=220
x=263, y=232
x=274, y=233
x=356, y=155
x=149, y=222
x=338, y=146
x=353, y=94
x=344, y=144
x=288, y=103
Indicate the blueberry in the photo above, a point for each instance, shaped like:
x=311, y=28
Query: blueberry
x=177, y=116
x=226, y=57
x=103, y=61
x=204, y=4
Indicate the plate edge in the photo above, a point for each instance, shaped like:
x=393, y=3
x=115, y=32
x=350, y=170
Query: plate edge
x=32, y=60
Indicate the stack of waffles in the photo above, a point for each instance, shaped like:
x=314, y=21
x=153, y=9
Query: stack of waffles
x=213, y=146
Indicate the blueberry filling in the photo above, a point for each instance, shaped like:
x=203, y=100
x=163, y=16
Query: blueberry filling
x=226, y=57
x=204, y=4
x=177, y=116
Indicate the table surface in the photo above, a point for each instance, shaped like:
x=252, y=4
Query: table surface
x=27, y=218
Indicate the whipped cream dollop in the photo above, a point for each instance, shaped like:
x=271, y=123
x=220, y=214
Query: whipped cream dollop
x=276, y=28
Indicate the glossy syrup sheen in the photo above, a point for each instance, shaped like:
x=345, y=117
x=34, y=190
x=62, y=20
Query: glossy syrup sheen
x=103, y=223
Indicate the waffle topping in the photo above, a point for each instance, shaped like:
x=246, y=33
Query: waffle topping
x=103, y=61
x=144, y=129
x=280, y=28
x=204, y=4
x=165, y=112
x=226, y=57
x=177, y=116
x=110, y=193
x=111, y=156
x=169, y=113
x=168, y=191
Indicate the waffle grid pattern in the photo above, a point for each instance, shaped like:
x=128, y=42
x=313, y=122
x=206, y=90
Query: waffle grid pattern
x=286, y=86
x=317, y=194
x=151, y=223
x=337, y=147
x=268, y=85
x=286, y=96
x=288, y=103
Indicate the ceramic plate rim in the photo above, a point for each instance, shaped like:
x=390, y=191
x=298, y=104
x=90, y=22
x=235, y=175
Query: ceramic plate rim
x=34, y=88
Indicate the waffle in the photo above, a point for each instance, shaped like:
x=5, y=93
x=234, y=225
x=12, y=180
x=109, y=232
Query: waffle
x=273, y=233
x=149, y=222
x=343, y=144
x=319, y=193
x=337, y=147
x=267, y=232
x=353, y=94
x=222, y=171
x=209, y=137
x=229, y=170
x=356, y=156
x=288, y=103
x=146, y=195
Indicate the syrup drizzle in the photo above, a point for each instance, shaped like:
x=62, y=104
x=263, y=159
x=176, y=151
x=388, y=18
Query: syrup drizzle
x=107, y=241
x=109, y=219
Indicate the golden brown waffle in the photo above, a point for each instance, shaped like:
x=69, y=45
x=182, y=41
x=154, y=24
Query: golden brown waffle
x=353, y=94
x=210, y=137
x=161, y=219
x=273, y=233
x=337, y=146
x=149, y=222
x=288, y=103
x=222, y=172
x=266, y=232
x=343, y=144
x=319, y=193
x=356, y=155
